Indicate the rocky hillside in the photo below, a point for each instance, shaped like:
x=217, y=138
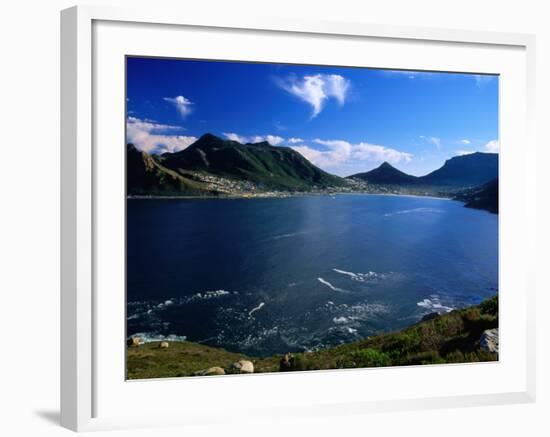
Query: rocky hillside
x=466, y=335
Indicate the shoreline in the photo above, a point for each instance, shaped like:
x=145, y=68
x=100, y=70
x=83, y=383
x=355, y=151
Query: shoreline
x=282, y=196
x=452, y=337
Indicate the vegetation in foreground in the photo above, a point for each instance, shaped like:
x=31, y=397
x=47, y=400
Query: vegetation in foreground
x=447, y=338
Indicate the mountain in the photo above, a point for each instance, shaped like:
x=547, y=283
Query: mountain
x=385, y=174
x=266, y=166
x=483, y=197
x=466, y=170
x=212, y=166
x=145, y=176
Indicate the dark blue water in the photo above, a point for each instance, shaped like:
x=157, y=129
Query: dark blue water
x=266, y=276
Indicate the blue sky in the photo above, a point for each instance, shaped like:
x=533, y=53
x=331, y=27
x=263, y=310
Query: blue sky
x=345, y=120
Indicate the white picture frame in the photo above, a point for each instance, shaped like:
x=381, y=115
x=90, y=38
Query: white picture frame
x=84, y=386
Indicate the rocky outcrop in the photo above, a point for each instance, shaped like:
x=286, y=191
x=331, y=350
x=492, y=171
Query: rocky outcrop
x=210, y=371
x=134, y=341
x=164, y=345
x=489, y=341
x=242, y=366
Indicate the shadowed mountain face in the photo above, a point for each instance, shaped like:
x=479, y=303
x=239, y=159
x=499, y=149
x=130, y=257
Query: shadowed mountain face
x=145, y=176
x=466, y=170
x=483, y=197
x=209, y=166
x=385, y=174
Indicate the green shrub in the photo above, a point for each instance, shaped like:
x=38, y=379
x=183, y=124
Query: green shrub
x=427, y=357
x=489, y=306
x=401, y=344
x=370, y=358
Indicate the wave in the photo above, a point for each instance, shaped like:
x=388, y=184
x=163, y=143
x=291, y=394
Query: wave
x=409, y=211
x=137, y=309
x=256, y=309
x=150, y=337
x=361, y=277
x=434, y=305
x=289, y=235
x=329, y=285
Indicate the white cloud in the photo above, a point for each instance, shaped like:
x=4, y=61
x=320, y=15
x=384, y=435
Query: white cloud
x=182, y=104
x=152, y=137
x=339, y=155
x=436, y=141
x=294, y=140
x=465, y=141
x=492, y=146
x=316, y=90
x=465, y=152
x=274, y=140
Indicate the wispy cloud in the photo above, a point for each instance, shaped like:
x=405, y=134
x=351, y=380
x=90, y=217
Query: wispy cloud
x=339, y=155
x=152, y=137
x=182, y=104
x=294, y=140
x=465, y=141
x=436, y=141
x=492, y=146
x=274, y=140
x=317, y=89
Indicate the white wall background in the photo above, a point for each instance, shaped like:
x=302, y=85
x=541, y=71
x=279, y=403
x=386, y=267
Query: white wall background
x=29, y=214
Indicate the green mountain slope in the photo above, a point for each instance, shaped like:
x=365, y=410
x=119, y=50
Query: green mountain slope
x=266, y=166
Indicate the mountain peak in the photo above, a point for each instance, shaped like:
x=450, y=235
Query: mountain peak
x=207, y=137
x=385, y=173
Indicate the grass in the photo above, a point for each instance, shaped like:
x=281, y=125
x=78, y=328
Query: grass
x=447, y=338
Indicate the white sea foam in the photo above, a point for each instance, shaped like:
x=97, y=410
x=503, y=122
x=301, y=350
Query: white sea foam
x=253, y=310
x=329, y=285
x=434, y=304
x=341, y=319
x=361, y=277
x=414, y=210
x=149, y=337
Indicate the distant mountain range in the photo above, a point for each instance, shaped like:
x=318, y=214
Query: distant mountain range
x=213, y=166
x=460, y=171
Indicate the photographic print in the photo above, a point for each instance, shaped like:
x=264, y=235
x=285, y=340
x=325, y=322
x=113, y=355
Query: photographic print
x=285, y=217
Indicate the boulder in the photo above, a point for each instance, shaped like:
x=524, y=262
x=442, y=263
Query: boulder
x=489, y=340
x=164, y=345
x=210, y=371
x=242, y=366
x=134, y=341
x=286, y=362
